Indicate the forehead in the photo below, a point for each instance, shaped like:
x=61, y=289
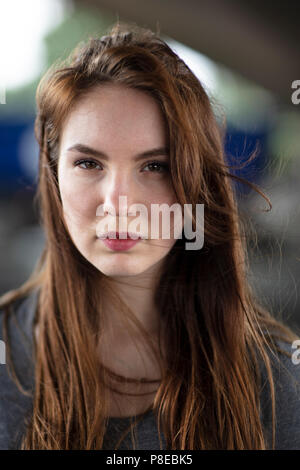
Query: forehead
x=114, y=114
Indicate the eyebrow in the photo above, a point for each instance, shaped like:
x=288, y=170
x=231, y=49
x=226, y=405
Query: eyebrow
x=81, y=148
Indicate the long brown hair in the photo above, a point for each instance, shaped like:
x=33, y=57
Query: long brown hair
x=215, y=332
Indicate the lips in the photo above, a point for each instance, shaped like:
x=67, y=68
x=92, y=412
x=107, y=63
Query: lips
x=119, y=244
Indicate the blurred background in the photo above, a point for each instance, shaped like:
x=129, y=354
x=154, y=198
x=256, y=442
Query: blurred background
x=246, y=54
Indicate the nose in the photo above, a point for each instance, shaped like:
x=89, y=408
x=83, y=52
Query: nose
x=118, y=191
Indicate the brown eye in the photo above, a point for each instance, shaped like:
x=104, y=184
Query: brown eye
x=157, y=167
x=90, y=164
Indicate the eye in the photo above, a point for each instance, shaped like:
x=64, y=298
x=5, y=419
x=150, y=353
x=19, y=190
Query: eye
x=88, y=162
x=157, y=167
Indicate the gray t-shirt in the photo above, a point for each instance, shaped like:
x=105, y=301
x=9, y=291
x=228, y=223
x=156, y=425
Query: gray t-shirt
x=15, y=407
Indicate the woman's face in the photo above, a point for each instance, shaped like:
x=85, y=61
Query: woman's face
x=120, y=124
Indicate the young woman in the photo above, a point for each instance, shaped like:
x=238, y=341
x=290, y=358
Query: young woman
x=140, y=344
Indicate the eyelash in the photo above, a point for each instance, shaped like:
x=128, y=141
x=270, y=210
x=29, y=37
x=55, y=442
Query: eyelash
x=163, y=165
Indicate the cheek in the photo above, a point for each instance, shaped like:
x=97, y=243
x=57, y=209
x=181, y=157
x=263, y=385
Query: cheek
x=162, y=194
x=169, y=195
x=78, y=205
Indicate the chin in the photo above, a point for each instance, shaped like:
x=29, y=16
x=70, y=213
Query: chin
x=120, y=268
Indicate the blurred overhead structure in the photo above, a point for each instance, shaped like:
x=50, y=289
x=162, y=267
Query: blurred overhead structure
x=259, y=40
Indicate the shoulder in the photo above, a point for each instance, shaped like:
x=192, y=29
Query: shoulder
x=19, y=328
x=14, y=404
x=286, y=377
x=22, y=310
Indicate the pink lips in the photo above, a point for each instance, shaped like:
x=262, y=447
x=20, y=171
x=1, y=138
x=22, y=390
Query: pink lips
x=120, y=244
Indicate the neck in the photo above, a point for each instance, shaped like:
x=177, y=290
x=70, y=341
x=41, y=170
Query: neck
x=137, y=292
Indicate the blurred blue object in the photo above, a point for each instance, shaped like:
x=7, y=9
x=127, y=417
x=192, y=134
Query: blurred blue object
x=239, y=146
x=18, y=156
